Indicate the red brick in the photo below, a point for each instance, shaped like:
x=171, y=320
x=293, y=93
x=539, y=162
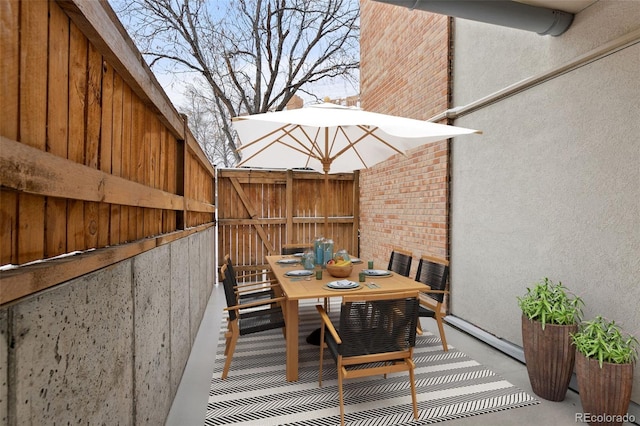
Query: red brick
x=404, y=70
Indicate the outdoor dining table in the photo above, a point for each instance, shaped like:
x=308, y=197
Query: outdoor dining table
x=300, y=288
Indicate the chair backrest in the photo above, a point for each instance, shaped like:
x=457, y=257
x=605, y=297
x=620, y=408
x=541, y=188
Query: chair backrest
x=227, y=261
x=229, y=284
x=400, y=261
x=377, y=324
x=434, y=272
x=230, y=269
x=288, y=249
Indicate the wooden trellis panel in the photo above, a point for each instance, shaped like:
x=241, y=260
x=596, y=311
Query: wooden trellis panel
x=259, y=210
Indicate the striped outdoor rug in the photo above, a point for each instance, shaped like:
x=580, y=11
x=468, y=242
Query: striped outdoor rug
x=450, y=385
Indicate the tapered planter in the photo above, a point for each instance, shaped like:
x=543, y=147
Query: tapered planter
x=604, y=392
x=550, y=357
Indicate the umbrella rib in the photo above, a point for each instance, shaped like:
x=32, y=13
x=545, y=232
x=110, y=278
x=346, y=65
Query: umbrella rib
x=370, y=132
x=247, y=145
x=352, y=145
x=314, y=143
x=302, y=148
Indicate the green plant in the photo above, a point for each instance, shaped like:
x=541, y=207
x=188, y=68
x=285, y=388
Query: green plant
x=603, y=340
x=551, y=303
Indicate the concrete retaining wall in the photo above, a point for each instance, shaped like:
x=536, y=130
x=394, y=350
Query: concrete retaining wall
x=109, y=347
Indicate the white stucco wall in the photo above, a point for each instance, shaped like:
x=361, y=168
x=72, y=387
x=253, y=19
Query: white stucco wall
x=552, y=187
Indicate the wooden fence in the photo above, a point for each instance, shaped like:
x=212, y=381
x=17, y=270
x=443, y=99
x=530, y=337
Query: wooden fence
x=259, y=210
x=92, y=153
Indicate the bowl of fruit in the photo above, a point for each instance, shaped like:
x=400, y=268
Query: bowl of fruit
x=339, y=267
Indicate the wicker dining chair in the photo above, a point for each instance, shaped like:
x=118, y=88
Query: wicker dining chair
x=434, y=272
x=252, y=287
x=247, y=318
x=376, y=335
x=400, y=261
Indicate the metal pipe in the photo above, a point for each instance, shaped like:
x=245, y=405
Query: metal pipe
x=606, y=49
x=506, y=13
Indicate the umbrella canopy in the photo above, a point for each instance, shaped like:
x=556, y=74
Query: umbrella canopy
x=332, y=138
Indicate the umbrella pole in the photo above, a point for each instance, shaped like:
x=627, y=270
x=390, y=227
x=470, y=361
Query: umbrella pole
x=326, y=166
x=326, y=204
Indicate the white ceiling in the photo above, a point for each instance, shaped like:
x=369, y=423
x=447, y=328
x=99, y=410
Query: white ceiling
x=572, y=6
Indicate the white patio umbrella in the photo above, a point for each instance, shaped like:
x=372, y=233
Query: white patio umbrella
x=332, y=139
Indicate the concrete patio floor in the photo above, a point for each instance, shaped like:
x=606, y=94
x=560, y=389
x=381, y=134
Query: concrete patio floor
x=189, y=405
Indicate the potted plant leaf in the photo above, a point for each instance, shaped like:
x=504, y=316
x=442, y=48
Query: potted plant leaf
x=604, y=366
x=550, y=314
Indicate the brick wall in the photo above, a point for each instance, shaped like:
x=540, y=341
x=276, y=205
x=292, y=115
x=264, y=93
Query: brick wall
x=404, y=71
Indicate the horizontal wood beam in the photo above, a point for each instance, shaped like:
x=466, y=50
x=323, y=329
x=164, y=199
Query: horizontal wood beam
x=246, y=176
x=31, y=278
x=331, y=219
x=199, y=206
x=283, y=221
x=34, y=171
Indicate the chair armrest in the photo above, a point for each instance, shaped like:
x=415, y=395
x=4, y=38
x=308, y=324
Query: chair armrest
x=328, y=324
x=435, y=291
x=254, y=283
x=258, y=287
x=251, y=274
x=254, y=304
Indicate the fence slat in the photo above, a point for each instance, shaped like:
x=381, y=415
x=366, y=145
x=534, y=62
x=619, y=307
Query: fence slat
x=33, y=115
x=77, y=98
x=9, y=105
x=93, y=109
x=57, y=124
x=106, y=149
x=115, y=235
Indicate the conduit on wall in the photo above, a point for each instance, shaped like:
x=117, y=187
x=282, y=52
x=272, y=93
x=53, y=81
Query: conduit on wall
x=606, y=49
x=506, y=13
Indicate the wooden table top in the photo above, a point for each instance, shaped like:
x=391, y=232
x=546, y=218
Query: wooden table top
x=297, y=288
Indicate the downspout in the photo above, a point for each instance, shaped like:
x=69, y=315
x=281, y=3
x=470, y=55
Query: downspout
x=505, y=13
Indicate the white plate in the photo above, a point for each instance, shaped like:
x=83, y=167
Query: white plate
x=376, y=272
x=298, y=254
x=288, y=261
x=299, y=273
x=356, y=260
x=343, y=284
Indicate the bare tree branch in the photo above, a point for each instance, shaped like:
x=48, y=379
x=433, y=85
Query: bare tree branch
x=251, y=55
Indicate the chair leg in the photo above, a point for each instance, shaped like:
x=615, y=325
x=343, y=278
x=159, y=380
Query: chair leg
x=321, y=354
x=227, y=336
x=413, y=390
x=442, y=336
x=231, y=347
x=419, y=327
x=327, y=304
x=340, y=394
